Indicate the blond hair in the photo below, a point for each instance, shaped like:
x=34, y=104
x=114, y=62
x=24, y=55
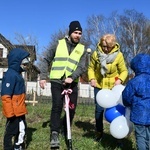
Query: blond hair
x=110, y=40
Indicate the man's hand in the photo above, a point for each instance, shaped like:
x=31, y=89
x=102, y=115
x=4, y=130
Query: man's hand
x=42, y=84
x=68, y=80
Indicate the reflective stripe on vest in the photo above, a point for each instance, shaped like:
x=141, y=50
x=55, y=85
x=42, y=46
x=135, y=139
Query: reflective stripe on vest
x=65, y=64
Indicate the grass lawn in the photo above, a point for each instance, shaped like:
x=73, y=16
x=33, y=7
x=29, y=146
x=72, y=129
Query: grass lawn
x=82, y=130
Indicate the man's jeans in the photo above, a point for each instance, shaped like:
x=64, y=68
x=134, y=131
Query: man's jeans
x=142, y=134
x=98, y=113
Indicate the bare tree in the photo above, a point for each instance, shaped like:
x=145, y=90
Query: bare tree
x=27, y=41
x=95, y=28
x=113, y=23
x=131, y=28
x=30, y=44
x=134, y=33
x=53, y=42
x=98, y=25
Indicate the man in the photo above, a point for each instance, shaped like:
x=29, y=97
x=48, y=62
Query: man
x=68, y=63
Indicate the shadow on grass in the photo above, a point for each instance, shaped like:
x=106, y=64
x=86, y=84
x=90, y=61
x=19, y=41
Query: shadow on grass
x=108, y=140
x=86, y=126
x=45, y=124
x=29, y=135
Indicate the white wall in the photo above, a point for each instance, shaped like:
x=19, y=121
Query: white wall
x=4, y=51
x=85, y=90
x=1, y=72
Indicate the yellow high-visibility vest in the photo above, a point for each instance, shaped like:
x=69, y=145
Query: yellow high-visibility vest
x=65, y=64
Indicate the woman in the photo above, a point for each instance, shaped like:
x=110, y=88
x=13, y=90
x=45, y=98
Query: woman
x=106, y=69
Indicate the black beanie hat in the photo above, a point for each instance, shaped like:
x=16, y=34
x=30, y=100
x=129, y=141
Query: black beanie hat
x=74, y=25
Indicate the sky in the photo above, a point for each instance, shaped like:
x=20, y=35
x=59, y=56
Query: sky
x=42, y=18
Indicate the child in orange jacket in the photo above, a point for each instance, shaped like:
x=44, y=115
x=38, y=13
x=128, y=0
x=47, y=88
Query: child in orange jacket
x=13, y=99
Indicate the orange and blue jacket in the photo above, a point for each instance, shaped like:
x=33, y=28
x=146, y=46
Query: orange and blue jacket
x=13, y=85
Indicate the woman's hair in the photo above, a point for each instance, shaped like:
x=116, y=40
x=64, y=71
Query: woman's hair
x=110, y=40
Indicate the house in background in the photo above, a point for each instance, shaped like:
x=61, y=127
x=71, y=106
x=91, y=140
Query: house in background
x=6, y=46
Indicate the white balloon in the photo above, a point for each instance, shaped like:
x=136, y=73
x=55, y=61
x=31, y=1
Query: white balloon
x=118, y=92
x=127, y=116
x=119, y=127
x=127, y=113
x=106, y=98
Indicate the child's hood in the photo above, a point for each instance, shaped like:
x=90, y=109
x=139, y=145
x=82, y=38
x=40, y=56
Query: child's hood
x=15, y=58
x=141, y=63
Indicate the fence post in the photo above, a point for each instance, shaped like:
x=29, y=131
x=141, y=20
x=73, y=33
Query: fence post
x=89, y=55
x=34, y=99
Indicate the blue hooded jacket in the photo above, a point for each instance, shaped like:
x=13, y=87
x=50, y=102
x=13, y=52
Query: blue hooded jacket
x=13, y=86
x=136, y=94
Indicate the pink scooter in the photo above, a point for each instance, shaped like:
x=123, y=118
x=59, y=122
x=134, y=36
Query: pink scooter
x=67, y=105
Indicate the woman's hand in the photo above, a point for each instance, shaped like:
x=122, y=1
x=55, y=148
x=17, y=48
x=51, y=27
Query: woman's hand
x=93, y=83
x=117, y=82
